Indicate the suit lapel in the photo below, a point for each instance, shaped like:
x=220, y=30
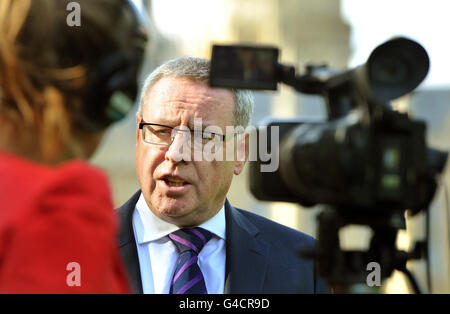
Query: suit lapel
x=127, y=243
x=246, y=261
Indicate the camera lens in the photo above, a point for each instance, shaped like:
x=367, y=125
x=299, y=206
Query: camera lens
x=388, y=70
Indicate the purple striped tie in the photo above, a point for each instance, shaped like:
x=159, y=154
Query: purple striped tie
x=187, y=277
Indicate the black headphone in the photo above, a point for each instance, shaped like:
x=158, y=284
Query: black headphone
x=113, y=83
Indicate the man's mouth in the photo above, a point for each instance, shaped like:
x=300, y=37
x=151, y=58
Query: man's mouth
x=173, y=181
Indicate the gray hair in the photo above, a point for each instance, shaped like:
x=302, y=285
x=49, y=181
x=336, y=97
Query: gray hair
x=198, y=68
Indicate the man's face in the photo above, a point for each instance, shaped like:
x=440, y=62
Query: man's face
x=184, y=193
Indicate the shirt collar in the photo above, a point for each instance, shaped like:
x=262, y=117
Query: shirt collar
x=155, y=228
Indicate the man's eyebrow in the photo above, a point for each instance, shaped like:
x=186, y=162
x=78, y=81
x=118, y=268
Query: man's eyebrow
x=159, y=120
x=203, y=125
x=213, y=128
x=190, y=125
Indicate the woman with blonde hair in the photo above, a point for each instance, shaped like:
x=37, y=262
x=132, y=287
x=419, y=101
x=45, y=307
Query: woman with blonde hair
x=58, y=90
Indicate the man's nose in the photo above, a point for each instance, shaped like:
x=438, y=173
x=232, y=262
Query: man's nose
x=179, y=149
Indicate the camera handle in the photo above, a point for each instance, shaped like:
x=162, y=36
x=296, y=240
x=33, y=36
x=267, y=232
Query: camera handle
x=308, y=83
x=335, y=87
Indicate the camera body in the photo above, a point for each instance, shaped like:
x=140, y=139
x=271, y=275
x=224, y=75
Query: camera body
x=367, y=164
x=347, y=163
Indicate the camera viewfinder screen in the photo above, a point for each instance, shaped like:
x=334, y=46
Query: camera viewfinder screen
x=244, y=67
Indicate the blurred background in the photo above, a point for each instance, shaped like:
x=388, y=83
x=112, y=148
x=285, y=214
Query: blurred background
x=340, y=33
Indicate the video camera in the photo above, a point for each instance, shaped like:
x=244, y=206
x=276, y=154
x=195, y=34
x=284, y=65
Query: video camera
x=367, y=163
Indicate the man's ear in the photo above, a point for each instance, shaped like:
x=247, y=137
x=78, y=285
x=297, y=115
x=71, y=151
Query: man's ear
x=138, y=120
x=242, y=152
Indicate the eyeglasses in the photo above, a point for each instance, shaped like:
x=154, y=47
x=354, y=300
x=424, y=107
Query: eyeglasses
x=160, y=134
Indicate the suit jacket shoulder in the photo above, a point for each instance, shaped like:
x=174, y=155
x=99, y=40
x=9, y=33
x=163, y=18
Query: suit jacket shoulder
x=275, y=231
x=127, y=243
x=264, y=256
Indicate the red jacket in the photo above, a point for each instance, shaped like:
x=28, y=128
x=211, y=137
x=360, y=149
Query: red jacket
x=50, y=218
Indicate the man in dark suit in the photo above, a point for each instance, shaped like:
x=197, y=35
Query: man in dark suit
x=179, y=233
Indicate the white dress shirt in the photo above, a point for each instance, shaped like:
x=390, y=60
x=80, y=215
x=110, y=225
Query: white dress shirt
x=157, y=254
